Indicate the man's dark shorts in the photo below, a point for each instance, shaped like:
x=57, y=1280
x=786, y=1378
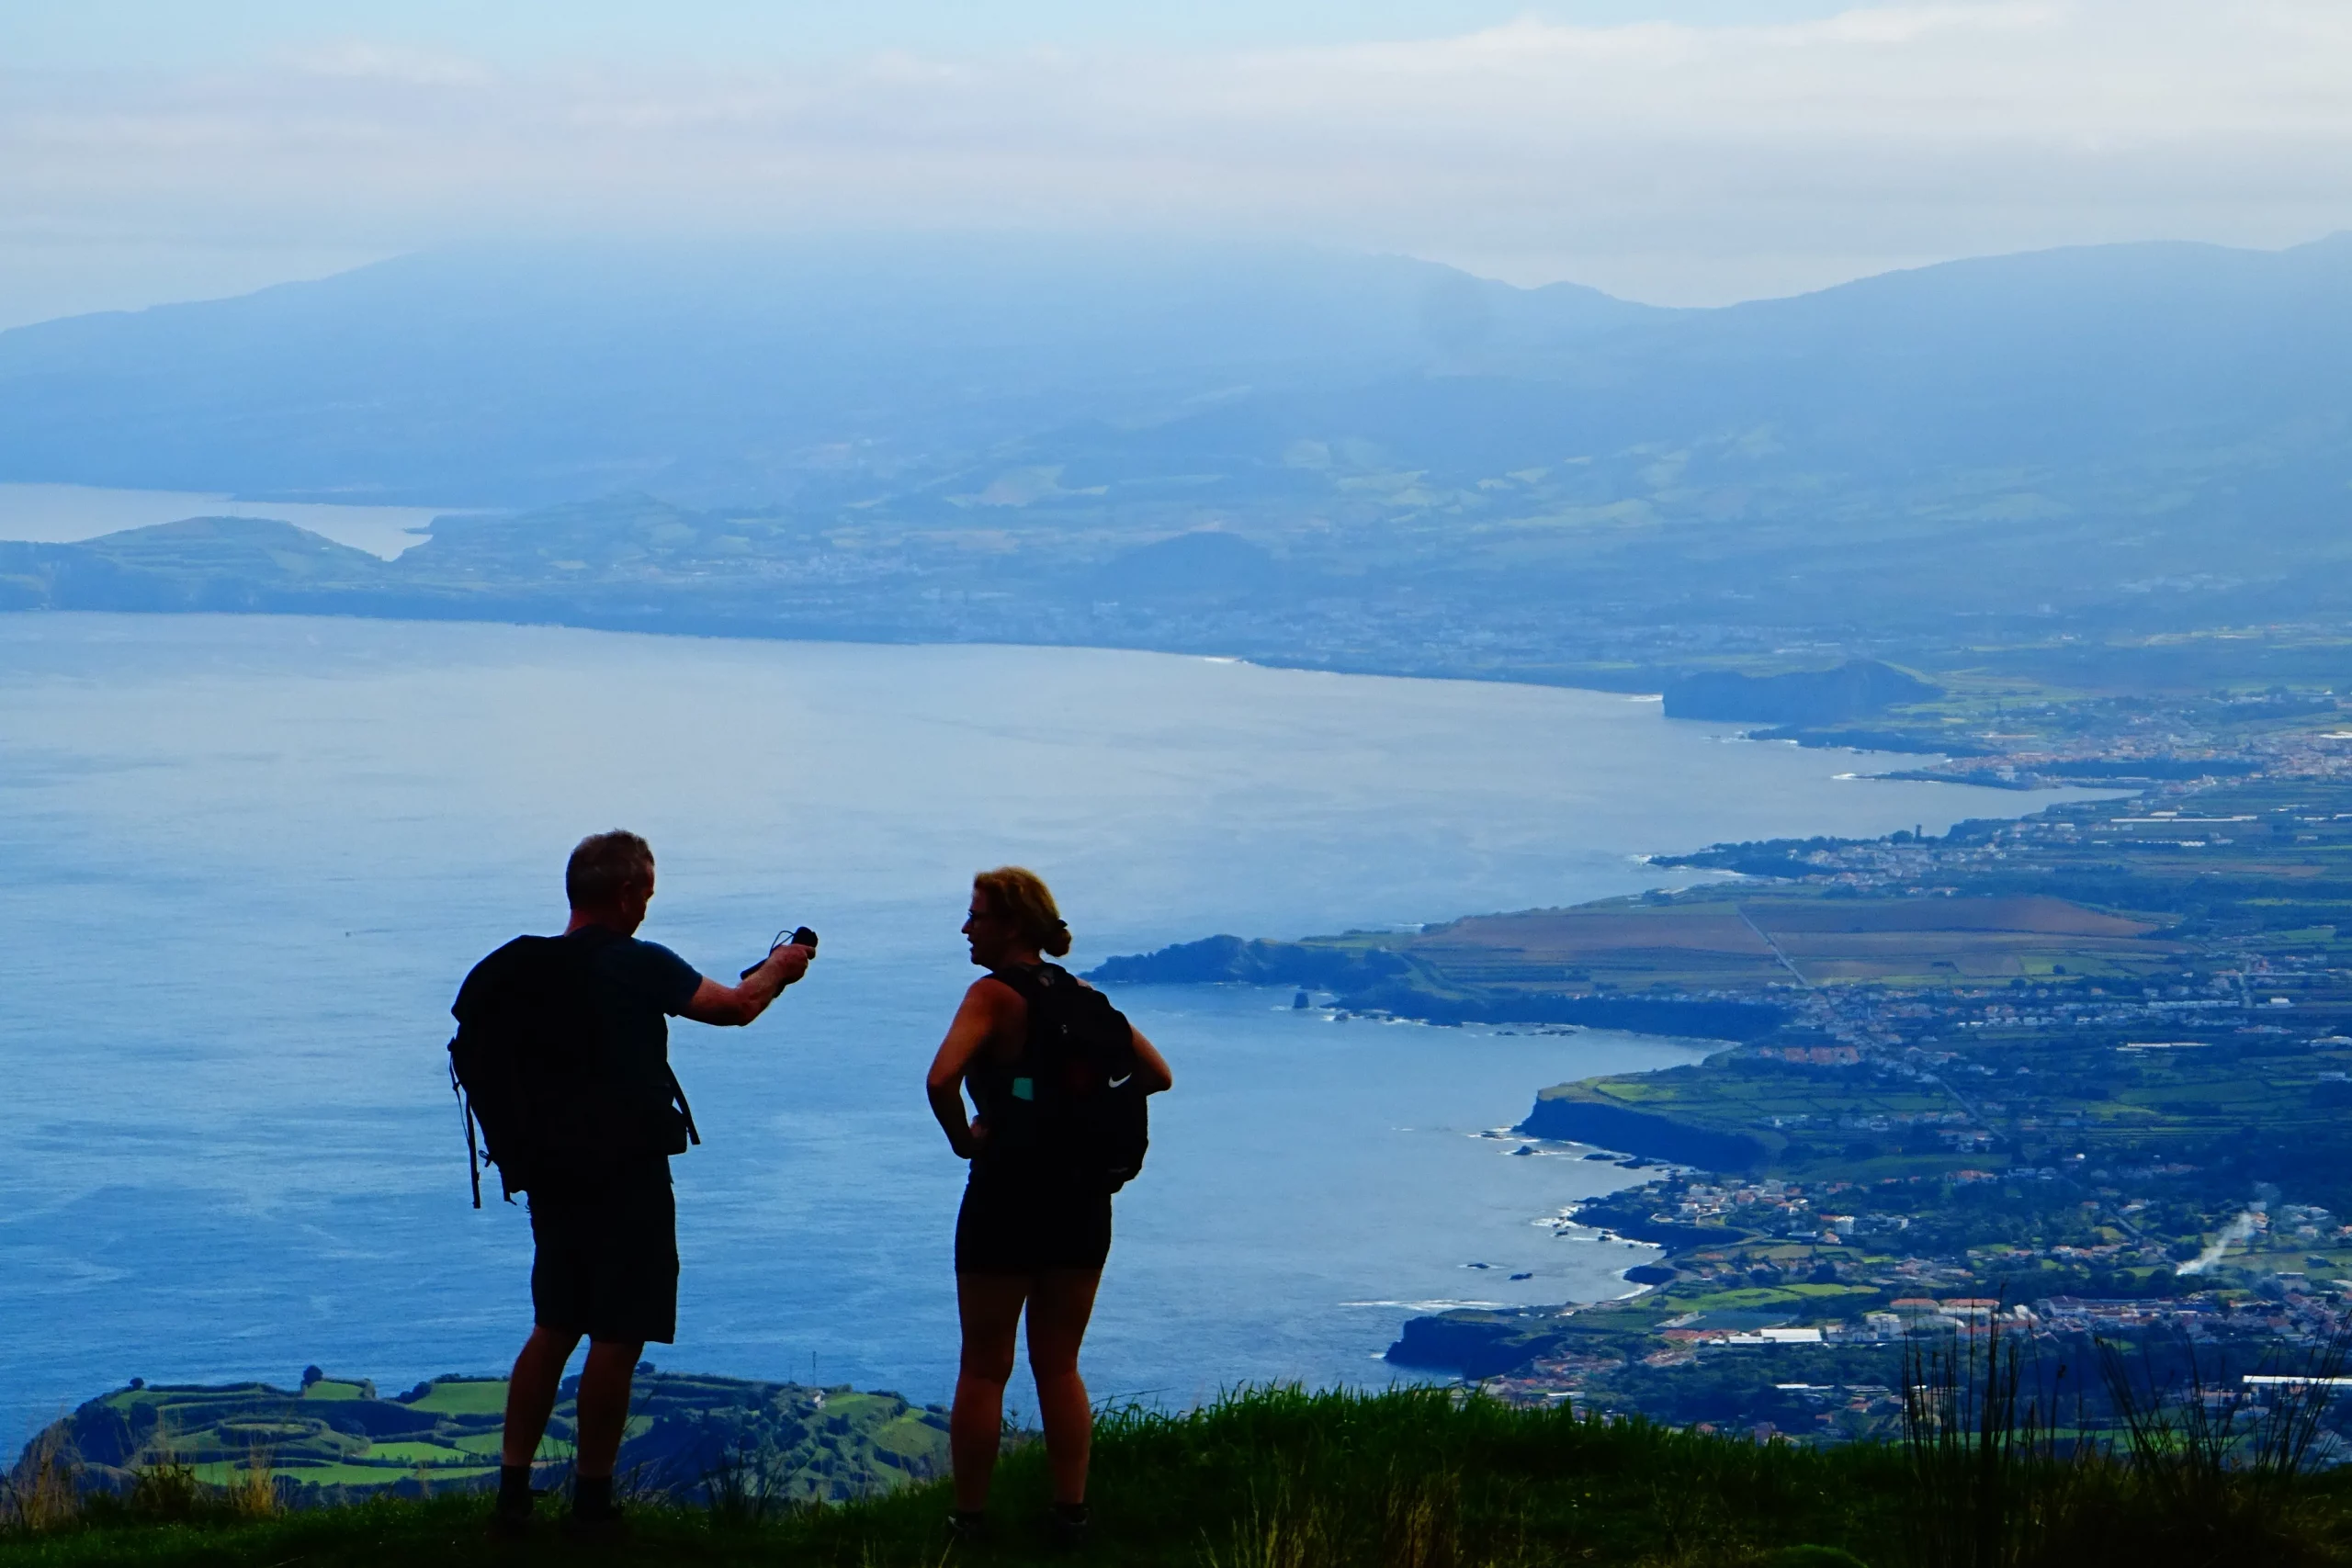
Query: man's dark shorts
x=606, y=1263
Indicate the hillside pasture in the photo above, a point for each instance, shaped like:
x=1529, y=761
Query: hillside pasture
x=1741, y=943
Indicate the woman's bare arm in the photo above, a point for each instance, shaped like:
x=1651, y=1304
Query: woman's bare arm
x=981, y=1018
x=1156, y=1076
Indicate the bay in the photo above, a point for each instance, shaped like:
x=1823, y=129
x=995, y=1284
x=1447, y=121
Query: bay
x=247, y=859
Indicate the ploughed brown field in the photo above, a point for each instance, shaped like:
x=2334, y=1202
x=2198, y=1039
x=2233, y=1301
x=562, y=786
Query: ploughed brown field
x=1737, y=943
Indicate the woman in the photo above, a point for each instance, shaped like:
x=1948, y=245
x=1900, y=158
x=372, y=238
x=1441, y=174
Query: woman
x=1029, y=1234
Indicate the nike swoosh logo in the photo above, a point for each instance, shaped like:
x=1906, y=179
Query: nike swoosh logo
x=1121, y=1079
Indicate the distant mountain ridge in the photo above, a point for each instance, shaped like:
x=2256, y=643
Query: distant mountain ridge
x=1359, y=463
x=850, y=372
x=739, y=375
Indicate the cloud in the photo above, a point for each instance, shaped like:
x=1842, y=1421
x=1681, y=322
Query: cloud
x=1669, y=162
x=360, y=60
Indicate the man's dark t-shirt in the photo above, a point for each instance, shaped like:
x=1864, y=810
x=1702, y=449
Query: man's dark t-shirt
x=639, y=986
x=604, y=1240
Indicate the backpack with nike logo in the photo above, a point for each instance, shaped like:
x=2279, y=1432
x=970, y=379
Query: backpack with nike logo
x=1075, y=1102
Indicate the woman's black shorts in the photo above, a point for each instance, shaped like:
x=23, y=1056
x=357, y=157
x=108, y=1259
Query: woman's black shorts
x=1020, y=1223
x=606, y=1259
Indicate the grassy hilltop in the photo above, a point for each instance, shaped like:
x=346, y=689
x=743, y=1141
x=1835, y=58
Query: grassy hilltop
x=1409, y=1479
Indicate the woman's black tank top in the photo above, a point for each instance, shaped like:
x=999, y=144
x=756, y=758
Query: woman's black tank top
x=998, y=1086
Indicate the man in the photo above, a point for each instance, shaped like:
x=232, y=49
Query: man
x=603, y=1224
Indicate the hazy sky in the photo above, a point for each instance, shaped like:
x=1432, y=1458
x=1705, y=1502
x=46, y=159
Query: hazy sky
x=1697, y=151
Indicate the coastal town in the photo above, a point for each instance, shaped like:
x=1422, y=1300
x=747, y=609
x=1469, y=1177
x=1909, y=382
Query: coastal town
x=2123, y=1141
x=2075, y=1078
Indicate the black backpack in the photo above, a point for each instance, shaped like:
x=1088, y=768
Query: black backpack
x=529, y=1068
x=1084, y=1112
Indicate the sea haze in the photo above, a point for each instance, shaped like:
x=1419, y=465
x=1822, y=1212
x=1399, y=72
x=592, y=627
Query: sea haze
x=249, y=859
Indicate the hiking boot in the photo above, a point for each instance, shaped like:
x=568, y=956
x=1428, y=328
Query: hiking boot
x=608, y=1528
x=510, y=1518
x=968, y=1530
x=1069, y=1524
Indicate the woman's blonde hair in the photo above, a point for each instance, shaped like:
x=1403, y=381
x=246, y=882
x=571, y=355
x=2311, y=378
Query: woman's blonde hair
x=1022, y=896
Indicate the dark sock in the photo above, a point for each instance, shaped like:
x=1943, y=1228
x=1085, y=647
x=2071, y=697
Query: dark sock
x=1071, y=1513
x=592, y=1496
x=514, y=1486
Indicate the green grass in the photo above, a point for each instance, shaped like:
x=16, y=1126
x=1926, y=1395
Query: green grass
x=1742, y=1298
x=1281, y=1479
x=329, y=1387
x=347, y=1473
x=417, y=1452
x=465, y=1396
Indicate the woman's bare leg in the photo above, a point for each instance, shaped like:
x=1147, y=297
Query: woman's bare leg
x=990, y=1306
x=1061, y=1302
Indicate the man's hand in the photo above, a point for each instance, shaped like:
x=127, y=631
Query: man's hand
x=790, y=962
x=740, y=1004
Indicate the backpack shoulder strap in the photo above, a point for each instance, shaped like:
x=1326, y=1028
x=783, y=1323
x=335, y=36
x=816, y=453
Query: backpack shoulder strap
x=678, y=1093
x=1047, y=980
x=1023, y=981
x=486, y=981
x=1031, y=986
x=466, y=1114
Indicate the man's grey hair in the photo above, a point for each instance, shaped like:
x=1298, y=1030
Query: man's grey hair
x=606, y=865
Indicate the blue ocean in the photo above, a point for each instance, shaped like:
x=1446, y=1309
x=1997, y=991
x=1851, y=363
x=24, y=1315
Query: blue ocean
x=247, y=860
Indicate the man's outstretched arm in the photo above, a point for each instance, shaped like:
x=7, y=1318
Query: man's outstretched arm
x=740, y=1003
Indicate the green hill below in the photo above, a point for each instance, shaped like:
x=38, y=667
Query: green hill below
x=333, y=1440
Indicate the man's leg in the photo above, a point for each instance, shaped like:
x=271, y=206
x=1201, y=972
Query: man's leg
x=990, y=1305
x=603, y=1404
x=531, y=1390
x=530, y=1399
x=1059, y=1308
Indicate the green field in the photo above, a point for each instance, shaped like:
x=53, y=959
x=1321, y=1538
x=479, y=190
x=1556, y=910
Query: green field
x=463, y=1396
x=345, y=1445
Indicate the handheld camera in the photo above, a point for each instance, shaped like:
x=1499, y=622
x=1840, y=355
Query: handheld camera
x=799, y=936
